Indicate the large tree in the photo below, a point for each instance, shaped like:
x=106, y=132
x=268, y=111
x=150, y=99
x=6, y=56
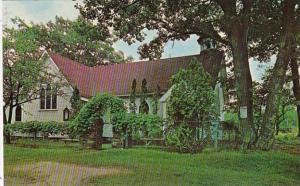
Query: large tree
x=226, y=22
x=276, y=33
x=76, y=39
x=22, y=70
x=296, y=87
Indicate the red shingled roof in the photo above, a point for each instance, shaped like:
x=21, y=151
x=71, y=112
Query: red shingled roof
x=117, y=78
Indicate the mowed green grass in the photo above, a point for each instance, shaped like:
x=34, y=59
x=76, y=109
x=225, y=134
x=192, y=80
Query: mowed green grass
x=141, y=166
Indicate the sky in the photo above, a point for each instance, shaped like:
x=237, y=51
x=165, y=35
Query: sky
x=44, y=10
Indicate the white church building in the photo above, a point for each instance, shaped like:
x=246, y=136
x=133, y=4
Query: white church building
x=54, y=103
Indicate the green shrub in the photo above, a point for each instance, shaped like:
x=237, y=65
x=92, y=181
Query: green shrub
x=35, y=127
x=191, y=106
x=94, y=110
x=137, y=125
x=182, y=139
x=288, y=138
x=84, y=125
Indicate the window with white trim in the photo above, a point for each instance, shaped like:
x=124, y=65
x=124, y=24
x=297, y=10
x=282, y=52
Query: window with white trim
x=48, y=97
x=66, y=114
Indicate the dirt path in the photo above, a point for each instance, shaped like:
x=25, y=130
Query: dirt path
x=53, y=173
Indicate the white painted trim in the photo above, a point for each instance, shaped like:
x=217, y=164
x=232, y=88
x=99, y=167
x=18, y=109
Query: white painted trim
x=84, y=99
x=51, y=60
x=44, y=53
x=45, y=110
x=165, y=97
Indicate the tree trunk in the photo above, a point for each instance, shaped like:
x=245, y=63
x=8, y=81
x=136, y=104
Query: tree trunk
x=296, y=86
x=298, y=112
x=272, y=106
x=278, y=77
x=4, y=116
x=8, y=121
x=98, y=134
x=278, y=119
x=7, y=138
x=243, y=83
x=130, y=141
x=10, y=113
x=6, y=134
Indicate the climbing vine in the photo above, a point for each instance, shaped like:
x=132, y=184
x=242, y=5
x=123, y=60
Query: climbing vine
x=93, y=111
x=136, y=126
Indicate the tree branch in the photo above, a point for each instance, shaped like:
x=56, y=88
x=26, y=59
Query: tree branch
x=228, y=6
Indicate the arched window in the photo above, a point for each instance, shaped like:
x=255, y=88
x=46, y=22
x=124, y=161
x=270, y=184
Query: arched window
x=66, y=114
x=54, y=97
x=18, y=113
x=48, y=96
x=42, y=99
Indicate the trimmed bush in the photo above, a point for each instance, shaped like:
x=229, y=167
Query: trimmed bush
x=35, y=127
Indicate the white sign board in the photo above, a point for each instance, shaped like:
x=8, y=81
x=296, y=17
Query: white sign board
x=107, y=117
x=107, y=131
x=243, y=112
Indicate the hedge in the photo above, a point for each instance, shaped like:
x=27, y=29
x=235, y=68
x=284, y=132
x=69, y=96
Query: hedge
x=138, y=125
x=34, y=127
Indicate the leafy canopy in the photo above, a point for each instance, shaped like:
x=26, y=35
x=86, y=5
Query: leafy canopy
x=78, y=40
x=172, y=20
x=22, y=67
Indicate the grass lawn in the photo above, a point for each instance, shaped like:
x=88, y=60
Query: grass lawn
x=58, y=164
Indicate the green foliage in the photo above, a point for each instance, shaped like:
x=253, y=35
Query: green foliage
x=284, y=101
x=192, y=96
x=144, y=105
x=137, y=125
x=241, y=28
x=156, y=97
x=78, y=39
x=182, y=139
x=132, y=104
x=129, y=20
x=93, y=111
x=290, y=138
x=175, y=20
x=259, y=102
x=75, y=101
x=191, y=106
x=35, y=127
x=23, y=70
